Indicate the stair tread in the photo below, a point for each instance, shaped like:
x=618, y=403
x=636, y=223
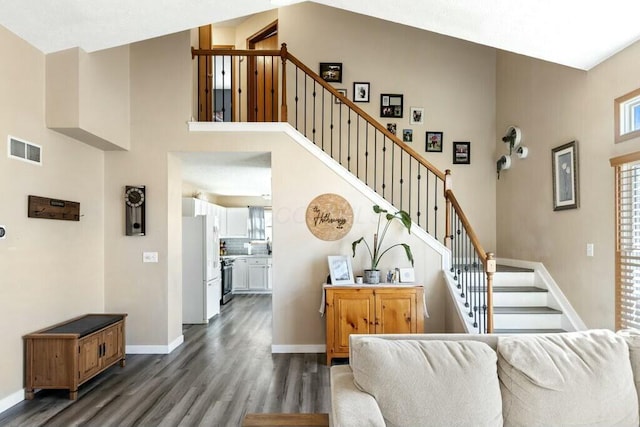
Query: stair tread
x=510, y=289
x=526, y=310
x=528, y=331
x=500, y=268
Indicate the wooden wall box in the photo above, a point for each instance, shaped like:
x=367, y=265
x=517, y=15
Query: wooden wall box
x=45, y=207
x=66, y=355
x=370, y=310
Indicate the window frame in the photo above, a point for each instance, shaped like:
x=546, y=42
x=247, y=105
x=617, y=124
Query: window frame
x=621, y=261
x=622, y=103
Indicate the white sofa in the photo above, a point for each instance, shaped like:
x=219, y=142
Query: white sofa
x=588, y=378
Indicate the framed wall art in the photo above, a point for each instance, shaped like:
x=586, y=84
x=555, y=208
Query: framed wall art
x=407, y=135
x=331, y=72
x=342, y=92
x=417, y=116
x=564, y=160
x=340, y=269
x=393, y=128
x=461, y=153
x=361, y=91
x=391, y=105
x=434, y=142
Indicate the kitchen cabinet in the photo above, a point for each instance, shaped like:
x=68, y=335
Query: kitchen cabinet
x=259, y=274
x=370, y=310
x=237, y=222
x=66, y=355
x=194, y=207
x=240, y=275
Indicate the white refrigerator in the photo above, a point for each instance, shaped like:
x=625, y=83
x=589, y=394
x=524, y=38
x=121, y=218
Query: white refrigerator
x=201, y=281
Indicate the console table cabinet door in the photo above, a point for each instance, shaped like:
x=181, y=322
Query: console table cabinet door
x=397, y=311
x=349, y=313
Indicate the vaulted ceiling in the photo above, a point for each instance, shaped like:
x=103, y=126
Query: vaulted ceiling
x=576, y=33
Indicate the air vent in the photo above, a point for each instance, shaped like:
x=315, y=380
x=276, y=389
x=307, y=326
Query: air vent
x=23, y=150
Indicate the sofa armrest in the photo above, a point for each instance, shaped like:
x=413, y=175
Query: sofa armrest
x=351, y=407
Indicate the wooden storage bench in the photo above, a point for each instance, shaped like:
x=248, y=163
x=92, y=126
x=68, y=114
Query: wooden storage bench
x=65, y=355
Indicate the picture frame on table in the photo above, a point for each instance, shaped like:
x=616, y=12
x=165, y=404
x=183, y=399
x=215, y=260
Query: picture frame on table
x=462, y=153
x=340, y=269
x=342, y=92
x=433, y=142
x=407, y=275
x=391, y=105
x=361, y=91
x=331, y=72
x=565, y=176
x=416, y=116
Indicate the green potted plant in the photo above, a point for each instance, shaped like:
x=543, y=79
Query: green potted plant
x=372, y=275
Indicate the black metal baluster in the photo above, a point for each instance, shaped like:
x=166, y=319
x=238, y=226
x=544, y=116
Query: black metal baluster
x=331, y=130
x=264, y=88
x=426, y=206
x=419, y=182
x=393, y=165
x=358, y=145
x=340, y=133
x=224, y=118
x=322, y=120
x=274, y=106
x=401, y=177
x=297, y=128
x=313, y=130
x=349, y=140
x=384, y=163
x=366, y=153
x=239, y=90
x=435, y=208
x=305, y=105
x=375, y=160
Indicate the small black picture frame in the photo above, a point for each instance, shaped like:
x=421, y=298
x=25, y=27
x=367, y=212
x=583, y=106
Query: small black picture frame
x=331, y=72
x=433, y=142
x=361, y=91
x=391, y=105
x=342, y=92
x=461, y=153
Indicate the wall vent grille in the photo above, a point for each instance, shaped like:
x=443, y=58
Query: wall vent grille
x=23, y=150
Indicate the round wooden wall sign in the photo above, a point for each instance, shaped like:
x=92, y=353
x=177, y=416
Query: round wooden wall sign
x=329, y=217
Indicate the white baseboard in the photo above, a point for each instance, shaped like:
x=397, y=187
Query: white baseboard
x=11, y=400
x=155, y=349
x=301, y=348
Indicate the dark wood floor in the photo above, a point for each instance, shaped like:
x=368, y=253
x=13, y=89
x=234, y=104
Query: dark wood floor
x=220, y=373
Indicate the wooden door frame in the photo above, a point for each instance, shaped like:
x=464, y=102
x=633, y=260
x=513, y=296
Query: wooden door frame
x=257, y=37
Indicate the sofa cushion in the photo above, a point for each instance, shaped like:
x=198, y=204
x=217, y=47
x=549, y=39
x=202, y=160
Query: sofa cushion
x=577, y=378
x=435, y=383
x=632, y=337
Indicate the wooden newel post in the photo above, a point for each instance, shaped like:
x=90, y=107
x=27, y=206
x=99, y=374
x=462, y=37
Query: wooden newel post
x=283, y=106
x=447, y=215
x=490, y=269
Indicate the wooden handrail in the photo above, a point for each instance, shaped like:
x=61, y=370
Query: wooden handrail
x=467, y=225
x=373, y=122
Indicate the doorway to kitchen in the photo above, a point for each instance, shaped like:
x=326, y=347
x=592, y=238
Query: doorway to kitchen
x=234, y=190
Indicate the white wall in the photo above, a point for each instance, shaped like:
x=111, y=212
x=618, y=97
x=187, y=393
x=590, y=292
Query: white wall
x=52, y=270
x=554, y=105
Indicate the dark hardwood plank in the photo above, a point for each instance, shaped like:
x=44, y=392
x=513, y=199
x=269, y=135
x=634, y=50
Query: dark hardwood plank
x=223, y=371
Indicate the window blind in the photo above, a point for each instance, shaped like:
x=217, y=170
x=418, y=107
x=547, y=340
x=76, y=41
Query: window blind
x=628, y=245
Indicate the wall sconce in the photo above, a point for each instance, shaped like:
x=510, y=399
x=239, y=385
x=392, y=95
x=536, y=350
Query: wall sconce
x=513, y=137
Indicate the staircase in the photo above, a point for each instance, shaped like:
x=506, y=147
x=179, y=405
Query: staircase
x=402, y=177
x=519, y=306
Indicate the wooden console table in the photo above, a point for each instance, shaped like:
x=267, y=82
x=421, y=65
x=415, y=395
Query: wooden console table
x=65, y=355
x=370, y=309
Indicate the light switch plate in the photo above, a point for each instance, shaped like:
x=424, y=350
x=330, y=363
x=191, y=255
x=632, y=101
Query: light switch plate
x=589, y=249
x=150, y=257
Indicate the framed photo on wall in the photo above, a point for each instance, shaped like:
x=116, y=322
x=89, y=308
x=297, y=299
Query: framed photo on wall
x=361, y=91
x=342, y=92
x=331, y=72
x=434, y=142
x=417, y=116
x=461, y=153
x=407, y=135
x=565, y=176
x=391, y=105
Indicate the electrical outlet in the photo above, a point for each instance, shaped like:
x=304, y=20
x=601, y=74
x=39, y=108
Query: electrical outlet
x=589, y=249
x=150, y=257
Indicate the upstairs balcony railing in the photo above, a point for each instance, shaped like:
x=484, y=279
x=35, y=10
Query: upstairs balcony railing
x=273, y=85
